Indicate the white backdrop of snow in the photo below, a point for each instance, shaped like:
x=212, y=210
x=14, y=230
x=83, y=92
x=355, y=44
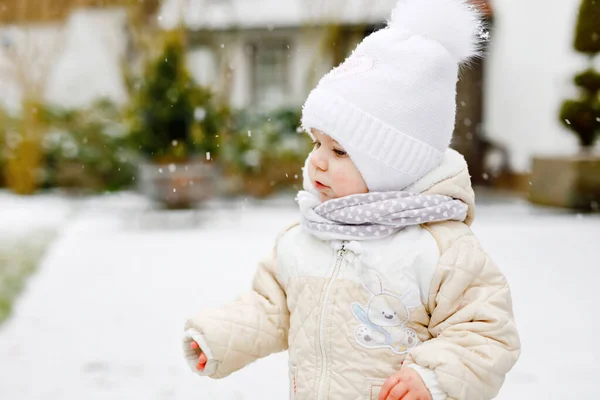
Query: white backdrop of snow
x=102, y=317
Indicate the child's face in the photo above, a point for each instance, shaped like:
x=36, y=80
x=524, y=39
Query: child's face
x=332, y=171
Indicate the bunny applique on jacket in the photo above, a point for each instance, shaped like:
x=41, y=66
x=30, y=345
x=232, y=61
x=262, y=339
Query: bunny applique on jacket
x=353, y=313
x=383, y=319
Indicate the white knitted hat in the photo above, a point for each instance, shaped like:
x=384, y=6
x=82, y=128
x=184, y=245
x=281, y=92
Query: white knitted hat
x=392, y=103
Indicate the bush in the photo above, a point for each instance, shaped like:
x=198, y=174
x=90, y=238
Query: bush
x=171, y=117
x=588, y=80
x=3, y=131
x=587, y=33
x=582, y=116
x=88, y=149
x=266, y=152
x=21, y=152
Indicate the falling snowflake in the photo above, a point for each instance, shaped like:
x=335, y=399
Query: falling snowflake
x=199, y=114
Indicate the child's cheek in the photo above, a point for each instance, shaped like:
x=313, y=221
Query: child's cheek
x=343, y=183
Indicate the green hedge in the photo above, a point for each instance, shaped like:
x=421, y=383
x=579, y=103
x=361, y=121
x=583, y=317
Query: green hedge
x=582, y=115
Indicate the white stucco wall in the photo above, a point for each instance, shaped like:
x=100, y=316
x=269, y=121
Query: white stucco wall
x=528, y=74
x=84, y=55
x=89, y=66
x=27, y=56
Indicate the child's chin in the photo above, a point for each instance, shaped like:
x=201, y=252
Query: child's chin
x=325, y=197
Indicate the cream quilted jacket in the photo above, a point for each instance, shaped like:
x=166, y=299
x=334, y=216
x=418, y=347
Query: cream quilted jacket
x=351, y=314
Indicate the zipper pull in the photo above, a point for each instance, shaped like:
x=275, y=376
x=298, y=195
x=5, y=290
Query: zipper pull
x=354, y=246
x=337, y=245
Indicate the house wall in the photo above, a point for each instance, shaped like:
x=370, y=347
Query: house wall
x=26, y=61
x=529, y=73
x=83, y=56
x=90, y=66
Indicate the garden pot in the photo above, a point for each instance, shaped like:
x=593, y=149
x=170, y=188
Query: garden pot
x=177, y=185
x=572, y=182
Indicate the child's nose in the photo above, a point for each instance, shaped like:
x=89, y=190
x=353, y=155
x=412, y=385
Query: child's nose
x=319, y=160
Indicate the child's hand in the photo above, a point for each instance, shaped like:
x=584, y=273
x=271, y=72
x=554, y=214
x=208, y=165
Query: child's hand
x=201, y=356
x=406, y=385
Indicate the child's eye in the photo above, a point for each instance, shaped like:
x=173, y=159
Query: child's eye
x=339, y=153
x=316, y=144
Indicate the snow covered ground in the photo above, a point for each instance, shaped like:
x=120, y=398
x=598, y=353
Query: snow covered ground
x=102, y=317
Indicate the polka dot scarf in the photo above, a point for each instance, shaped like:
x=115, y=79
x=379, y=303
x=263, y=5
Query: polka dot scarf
x=374, y=215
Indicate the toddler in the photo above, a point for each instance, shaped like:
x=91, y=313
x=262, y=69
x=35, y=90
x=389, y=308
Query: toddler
x=381, y=292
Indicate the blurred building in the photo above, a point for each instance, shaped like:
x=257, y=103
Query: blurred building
x=268, y=54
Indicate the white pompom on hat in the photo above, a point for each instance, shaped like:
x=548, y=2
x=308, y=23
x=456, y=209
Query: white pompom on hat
x=392, y=103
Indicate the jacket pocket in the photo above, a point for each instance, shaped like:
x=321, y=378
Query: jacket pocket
x=372, y=388
x=293, y=382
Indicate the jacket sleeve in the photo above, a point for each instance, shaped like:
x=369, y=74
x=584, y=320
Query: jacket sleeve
x=475, y=341
x=252, y=327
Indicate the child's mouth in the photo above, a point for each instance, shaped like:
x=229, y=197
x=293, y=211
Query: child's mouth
x=320, y=186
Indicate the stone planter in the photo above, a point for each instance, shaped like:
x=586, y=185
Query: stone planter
x=572, y=182
x=177, y=185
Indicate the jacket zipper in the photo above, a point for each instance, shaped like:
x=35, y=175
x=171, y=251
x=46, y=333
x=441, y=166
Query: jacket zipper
x=334, y=276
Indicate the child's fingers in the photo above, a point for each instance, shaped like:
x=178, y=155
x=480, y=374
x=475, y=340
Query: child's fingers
x=387, y=387
x=202, y=359
x=201, y=362
x=398, y=392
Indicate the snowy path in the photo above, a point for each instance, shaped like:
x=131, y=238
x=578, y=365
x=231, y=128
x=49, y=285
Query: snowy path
x=102, y=317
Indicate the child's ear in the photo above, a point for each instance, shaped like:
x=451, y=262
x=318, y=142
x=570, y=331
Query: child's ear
x=372, y=282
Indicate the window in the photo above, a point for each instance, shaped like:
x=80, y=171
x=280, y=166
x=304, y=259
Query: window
x=202, y=65
x=270, y=73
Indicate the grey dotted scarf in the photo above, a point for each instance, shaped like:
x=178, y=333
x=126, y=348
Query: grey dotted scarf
x=375, y=215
